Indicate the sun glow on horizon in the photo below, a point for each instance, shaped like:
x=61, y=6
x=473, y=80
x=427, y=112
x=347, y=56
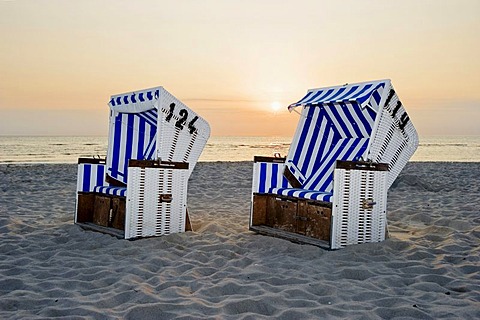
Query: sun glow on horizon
x=276, y=106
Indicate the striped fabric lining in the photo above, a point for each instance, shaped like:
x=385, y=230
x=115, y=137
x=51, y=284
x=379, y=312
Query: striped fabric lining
x=90, y=176
x=113, y=191
x=302, y=193
x=344, y=149
x=360, y=92
x=270, y=175
x=329, y=132
x=132, y=136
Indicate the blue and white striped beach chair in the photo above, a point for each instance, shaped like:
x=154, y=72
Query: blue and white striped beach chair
x=140, y=189
x=351, y=143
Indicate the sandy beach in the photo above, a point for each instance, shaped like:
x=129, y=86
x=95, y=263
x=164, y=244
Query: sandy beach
x=51, y=268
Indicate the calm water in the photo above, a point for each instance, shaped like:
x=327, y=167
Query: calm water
x=68, y=149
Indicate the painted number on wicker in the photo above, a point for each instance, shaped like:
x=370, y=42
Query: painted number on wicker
x=404, y=118
x=182, y=119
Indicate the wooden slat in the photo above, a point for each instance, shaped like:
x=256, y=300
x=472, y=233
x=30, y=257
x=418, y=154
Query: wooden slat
x=291, y=178
x=316, y=222
x=94, y=227
x=281, y=214
x=188, y=224
x=85, y=207
x=361, y=165
x=118, y=213
x=294, y=237
x=157, y=164
x=91, y=161
x=101, y=210
x=269, y=159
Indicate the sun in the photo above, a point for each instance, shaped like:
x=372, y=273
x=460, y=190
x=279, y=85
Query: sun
x=276, y=106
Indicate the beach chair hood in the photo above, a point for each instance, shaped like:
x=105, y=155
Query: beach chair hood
x=362, y=121
x=152, y=124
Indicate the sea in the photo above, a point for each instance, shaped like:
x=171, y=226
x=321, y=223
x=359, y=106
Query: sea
x=57, y=149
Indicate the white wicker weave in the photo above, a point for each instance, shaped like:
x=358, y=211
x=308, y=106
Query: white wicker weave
x=395, y=138
x=146, y=213
x=182, y=133
x=359, y=207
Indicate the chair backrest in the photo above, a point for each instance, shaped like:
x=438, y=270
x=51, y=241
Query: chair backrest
x=144, y=125
x=132, y=136
x=350, y=122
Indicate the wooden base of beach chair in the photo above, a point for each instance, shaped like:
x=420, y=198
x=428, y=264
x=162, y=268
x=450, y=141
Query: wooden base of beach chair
x=298, y=220
x=104, y=213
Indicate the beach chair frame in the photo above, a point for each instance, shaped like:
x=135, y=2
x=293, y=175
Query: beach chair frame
x=140, y=189
x=351, y=208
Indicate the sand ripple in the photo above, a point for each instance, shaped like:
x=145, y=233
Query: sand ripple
x=50, y=268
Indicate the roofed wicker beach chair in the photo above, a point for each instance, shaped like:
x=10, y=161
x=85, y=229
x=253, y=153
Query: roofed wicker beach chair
x=351, y=143
x=140, y=189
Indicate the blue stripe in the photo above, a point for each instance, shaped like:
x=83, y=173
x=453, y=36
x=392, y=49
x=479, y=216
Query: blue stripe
x=339, y=92
x=348, y=114
x=149, y=116
x=87, y=171
x=263, y=177
x=100, y=175
x=284, y=182
x=327, y=93
x=113, y=191
x=302, y=194
x=372, y=114
x=140, y=97
x=306, y=96
x=376, y=96
x=311, y=146
x=125, y=99
x=150, y=152
x=274, y=174
x=366, y=120
x=119, y=101
x=343, y=126
x=367, y=123
x=366, y=97
x=329, y=170
x=323, y=146
x=141, y=140
x=116, y=144
x=133, y=98
x=303, y=136
x=358, y=94
x=349, y=93
x=312, y=98
x=361, y=151
x=129, y=142
x=149, y=95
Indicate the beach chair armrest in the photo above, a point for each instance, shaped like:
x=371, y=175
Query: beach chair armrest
x=157, y=164
x=90, y=174
x=268, y=174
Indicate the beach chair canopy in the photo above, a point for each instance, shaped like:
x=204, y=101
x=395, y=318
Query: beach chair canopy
x=152, y=124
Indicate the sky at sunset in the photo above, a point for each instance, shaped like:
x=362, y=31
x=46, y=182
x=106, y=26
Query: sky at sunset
x=234, y=62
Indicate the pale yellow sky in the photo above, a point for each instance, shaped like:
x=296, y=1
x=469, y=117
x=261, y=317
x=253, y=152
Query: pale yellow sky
x=230, y=60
